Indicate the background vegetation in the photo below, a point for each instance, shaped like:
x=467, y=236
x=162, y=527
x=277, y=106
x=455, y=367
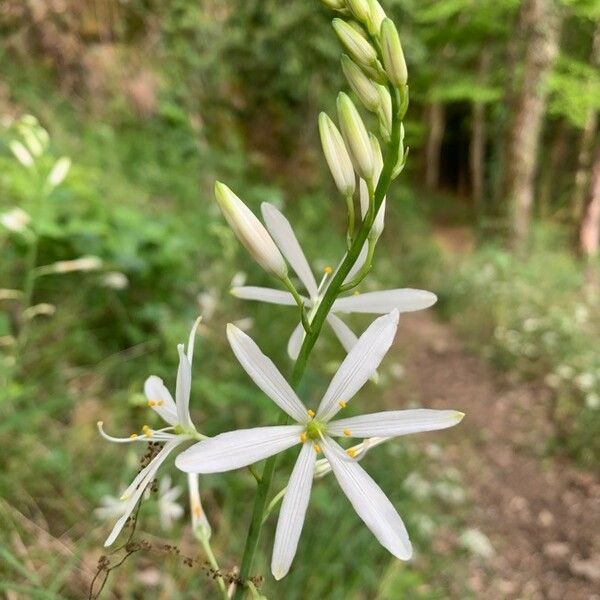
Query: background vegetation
x=498, y=212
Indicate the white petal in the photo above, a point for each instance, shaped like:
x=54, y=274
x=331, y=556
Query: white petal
x=369, y=502
x=293, y=511
x=360, y=364
x=182, y=391
x=236, y=449
x=395, y=422
x=199, y=521
x=156, y=392
x=142, y=481
x=342, y=331
x=360, y=261
x=403, y=300
x=265, y=374
x=263, y=294
x=283, y=234
x=295, y=341
x=192, y=339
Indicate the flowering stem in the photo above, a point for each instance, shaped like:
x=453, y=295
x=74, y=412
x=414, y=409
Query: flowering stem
x=203, y=539
x=333, y=290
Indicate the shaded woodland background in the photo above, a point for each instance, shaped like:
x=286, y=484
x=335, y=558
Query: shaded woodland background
x=498, y=212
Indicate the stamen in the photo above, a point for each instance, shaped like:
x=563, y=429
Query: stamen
x=152, y=403
x=133, y=436
x=328, y=270
x=351, y=452
x=356, y=293
x=197, y=510
x=311, y=413
x=342, y=404
x=347, y=432
x=160, y=402
x=147, y=431
x=317, y=448
x=303, y=437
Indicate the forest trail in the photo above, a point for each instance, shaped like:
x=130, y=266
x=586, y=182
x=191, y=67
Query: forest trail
x=541, y=514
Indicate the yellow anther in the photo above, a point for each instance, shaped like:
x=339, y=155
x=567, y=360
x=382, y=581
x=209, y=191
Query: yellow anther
x=147, y=431
x=351, y=452
x=152, y=403
x=303, y=437
x=197, y=510
x=347, y=432
x=160, y=402
x=342, y=404
x=133, y=436
x=317, y=448
x=328, y=270
x=311, y=413
x=356, y=293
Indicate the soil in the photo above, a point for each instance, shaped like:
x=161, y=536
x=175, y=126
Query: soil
x=541, y=513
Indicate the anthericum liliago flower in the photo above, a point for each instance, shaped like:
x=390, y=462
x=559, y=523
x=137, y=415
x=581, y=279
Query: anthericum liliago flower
x=402, y=300
x=180, y=429
x=315, y=431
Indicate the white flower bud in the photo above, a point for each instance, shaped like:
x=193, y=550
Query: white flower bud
x=385, y=112
x=85, y=263
x=363, y=87
x=356, y=136
x=376, y=17
x=250, y=232
x=15, y=220
x=393, y=56
x=378, y=223
x=21, y=153
x=336, y=155
x=356, y=44
x=360, y=9
x=59, y=171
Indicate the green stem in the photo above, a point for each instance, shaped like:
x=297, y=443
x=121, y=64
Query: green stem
x=333, y=290
x=213, y=563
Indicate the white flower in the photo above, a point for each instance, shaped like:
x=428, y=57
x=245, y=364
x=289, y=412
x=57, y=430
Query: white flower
x=15, y=220
x=592, y=401
x=59, y=171
x=110, y=508
x=168, y=509
x=315, y=432
x=403, y=300
x=477, y=542
x=180, y=429
x=585, y=381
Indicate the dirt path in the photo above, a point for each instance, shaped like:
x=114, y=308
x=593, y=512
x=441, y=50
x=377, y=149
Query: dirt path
x=542, y=515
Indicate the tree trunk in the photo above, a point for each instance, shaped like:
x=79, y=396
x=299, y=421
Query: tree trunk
x=589, y=232
x=478, y=139
x=436, y=121
x=584, y=158
x=541, y=48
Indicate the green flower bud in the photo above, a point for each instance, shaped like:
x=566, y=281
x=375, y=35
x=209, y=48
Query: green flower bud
x=393, y=56
x=376, y=17
x=385, y=112
x=360, y=9
x=356, y=44
x=363, y=87
x=334, y=4
x=337, y=156
x=250, y=232
x=356, y=137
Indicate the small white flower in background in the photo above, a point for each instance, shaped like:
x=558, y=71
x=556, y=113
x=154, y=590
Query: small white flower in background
x=21, y=154
x=565, y=371
x=552, y=380
x=403, y=300
x=180, y=429
x=15, y=220
x=592, y=401
x=59, y=171
x=238, y=279
x=85, y=263
x=585, y=381
x=477, y=543
x=110, y=508
x=115, y=280
x=168, y=509
x=208, y=302
x=314, y=431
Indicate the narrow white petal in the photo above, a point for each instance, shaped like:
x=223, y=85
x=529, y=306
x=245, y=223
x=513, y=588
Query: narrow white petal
x=236, y=449
x=263, y=294
x=156, y=436
x=343, y=332
x=285, y=238
x=360, y=261
x=199, y=521
x=359, y=365
x=395, y=422
x=293, y=511
x=142, y=481
x=403, y=300
x=192, y=339
x=265, y=374
x=295, y=341
x=160, y=399
x=369, y=501
x=182, y=391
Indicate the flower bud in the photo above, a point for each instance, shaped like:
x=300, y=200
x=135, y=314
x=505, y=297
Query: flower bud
x=363, y=87
x=385, y=112
x=334, y=4
x=250, y=232
x=376, y=17
x=378, y=222
x=356, y=44
x=337, y=156
x=393, y=56
x=360, y=9
x=59, y=171
x=356, y=136
x=21, y=153
x=377, y=158
x=15, y=220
